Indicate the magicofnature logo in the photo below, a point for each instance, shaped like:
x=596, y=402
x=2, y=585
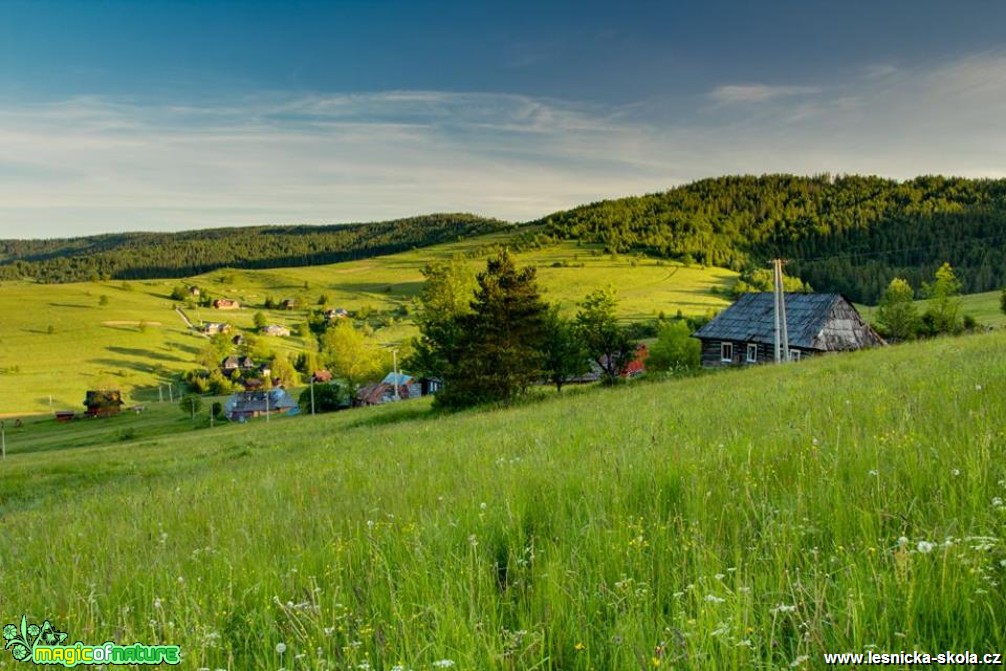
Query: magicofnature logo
x=45, y=645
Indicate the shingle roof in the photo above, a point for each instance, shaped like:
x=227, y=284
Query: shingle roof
x=752, y=319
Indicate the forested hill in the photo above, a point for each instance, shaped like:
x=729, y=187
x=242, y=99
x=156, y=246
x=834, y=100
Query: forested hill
x=155, y=255
x=847, y=234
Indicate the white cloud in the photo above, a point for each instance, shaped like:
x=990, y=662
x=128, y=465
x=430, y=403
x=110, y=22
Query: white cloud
x=94, y=164
x=756, y=93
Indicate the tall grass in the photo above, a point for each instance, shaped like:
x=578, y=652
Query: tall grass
x=745, y=520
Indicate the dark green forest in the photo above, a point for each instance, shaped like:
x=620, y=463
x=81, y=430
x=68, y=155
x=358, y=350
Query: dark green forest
x=848, y=234
x=161, y=255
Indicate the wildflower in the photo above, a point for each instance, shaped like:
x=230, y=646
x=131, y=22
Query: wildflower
x=798, y=661
x=712, y=598
x=902, y=541
x=482, y=506
x=925, y=547
x=329, y=631
x=997, y=502
x=783, y=608
x=978, y=387
x=956, y=472
x=443, y=663
x=580, y=646
x=281, y=647
x=157, y=603
x=874, y=472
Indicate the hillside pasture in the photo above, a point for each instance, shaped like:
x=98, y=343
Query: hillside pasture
x=134, y=340
x=749, y=519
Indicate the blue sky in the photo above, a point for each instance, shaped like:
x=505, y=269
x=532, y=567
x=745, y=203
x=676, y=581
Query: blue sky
x=162, y=115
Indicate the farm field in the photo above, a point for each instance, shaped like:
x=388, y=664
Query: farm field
x=749, y=519
x=134, y=340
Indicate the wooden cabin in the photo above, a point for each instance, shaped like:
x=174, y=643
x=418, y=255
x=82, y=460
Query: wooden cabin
x=744, y=333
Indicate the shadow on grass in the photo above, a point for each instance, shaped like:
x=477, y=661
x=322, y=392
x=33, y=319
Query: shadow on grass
x=143, y=353
x=398, y=416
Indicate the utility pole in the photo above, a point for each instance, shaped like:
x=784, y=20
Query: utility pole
x=394, y=356
x=171, y=393
x=781, y=328
x=160, y=393
x=775, y=307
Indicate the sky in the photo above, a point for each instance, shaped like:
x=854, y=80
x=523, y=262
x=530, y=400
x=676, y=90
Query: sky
x=164, y=115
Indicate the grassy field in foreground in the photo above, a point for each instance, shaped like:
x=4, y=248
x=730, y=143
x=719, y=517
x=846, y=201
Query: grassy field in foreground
x=750, y=519
x=61, y=340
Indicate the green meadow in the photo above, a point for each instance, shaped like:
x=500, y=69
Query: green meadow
x=60, y=340
x=747, y=519
x=984, y=307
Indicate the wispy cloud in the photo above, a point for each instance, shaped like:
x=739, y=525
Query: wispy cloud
x=756, y=93
x=94, y=164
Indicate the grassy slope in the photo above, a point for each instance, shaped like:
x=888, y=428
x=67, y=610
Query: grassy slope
x=749, y=519
x=984, y=307
x=103, y=346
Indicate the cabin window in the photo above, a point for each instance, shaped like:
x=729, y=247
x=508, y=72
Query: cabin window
x=727, y=351
x=794, y=355
x=752, y=354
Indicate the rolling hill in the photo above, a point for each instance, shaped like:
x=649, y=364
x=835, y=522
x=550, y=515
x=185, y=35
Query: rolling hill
x=67, y=341
x=753, y=518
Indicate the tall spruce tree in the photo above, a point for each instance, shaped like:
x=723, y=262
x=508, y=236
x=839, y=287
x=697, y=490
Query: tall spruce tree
x=497, y=352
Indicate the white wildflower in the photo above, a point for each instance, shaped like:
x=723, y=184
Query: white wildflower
x=955, y=472
x=902, y=541
x=925, y=547
x=783, y=608
x=443, y=663
x=712, y=598
x=874, y=472
x=281, y=647
x=798, y=661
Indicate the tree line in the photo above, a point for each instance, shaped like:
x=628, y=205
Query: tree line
x=491, y=337
x=846, y=234
x=167, y=255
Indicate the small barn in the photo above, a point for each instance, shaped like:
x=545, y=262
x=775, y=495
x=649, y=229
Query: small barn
x=226, y=304
x=744, y=333
x=247, y=404
x=103, y=402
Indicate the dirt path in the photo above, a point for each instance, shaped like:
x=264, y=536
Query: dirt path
x=188, y=322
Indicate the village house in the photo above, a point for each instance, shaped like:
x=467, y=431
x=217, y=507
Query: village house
x=275, y=330
x=103, y=403
x=226, y=304
x=212, y=328
x=288, y=304
x=384, y=391
x=235, y=362
x=744, y=333
x=244, y=405
x=336, y=313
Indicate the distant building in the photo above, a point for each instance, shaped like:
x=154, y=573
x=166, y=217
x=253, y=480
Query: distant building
x=103, y=403
x=212, y=328
x=194, y=291
x=226, y=304
x=276, y=330
x=247, y=404
x=288, y=304
x=744, y=333
x=336, y=313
